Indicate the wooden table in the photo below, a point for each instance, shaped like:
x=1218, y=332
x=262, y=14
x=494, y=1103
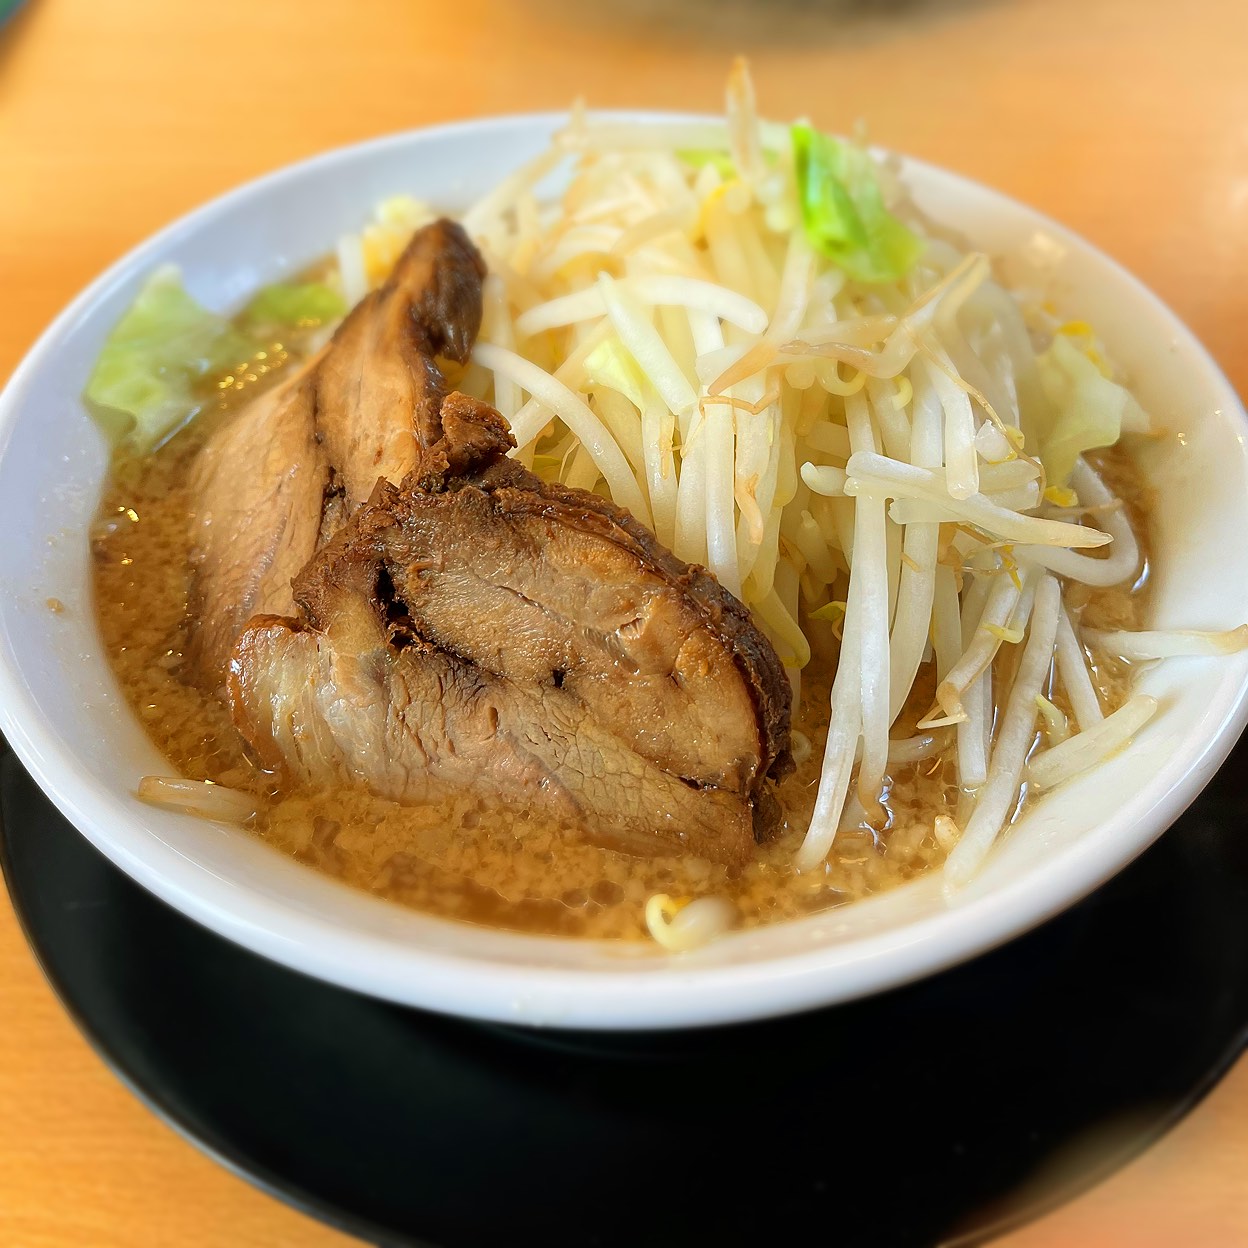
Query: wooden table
x=1127, y=119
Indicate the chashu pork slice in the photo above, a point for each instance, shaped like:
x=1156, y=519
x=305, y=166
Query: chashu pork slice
x=273, y=484
x=624, y=686
x=347, y=706
x=550, y=586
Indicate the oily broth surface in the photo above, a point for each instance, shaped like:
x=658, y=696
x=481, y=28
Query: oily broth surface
x=472, y=858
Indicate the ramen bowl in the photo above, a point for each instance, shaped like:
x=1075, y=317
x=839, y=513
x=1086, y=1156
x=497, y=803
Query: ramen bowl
x=65, y=716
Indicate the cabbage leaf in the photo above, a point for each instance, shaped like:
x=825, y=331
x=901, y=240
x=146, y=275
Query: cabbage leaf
x=1088, y=409
x=147, y=380
x=697, y=158
x=611, y=366
x=843, y=210
x=303, y=305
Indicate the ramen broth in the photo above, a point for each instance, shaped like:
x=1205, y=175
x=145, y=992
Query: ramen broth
x=472, y=858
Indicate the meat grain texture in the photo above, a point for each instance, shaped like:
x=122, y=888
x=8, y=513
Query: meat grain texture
x=276, y=483
x=459, y=623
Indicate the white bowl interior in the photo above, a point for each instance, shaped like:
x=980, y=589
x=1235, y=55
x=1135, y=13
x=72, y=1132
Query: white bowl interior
x=64, y=715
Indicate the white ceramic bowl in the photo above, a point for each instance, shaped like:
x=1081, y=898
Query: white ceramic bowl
x=63, y=714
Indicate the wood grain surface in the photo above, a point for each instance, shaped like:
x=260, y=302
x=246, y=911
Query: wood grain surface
x=1126, y=119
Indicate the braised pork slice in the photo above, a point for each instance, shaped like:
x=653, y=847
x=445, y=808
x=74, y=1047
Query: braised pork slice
x=558, y=588
x=619, y=683
x=416, y=724
x=259, y=485
x=379, y=389
x=279, y=479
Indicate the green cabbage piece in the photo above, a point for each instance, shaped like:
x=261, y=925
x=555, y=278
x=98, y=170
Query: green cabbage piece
x=304, y=305
x=721, y=160
x=843, y=210
x=1088, y=409
x=611, y=365
x=148, y=379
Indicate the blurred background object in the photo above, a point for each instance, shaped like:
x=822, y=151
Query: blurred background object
x=1124, y=119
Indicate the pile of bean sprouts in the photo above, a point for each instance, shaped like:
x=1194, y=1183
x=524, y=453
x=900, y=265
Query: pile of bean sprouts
x=866, y=456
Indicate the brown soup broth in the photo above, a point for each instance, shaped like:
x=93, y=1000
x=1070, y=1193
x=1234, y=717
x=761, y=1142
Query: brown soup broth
x=472, y=858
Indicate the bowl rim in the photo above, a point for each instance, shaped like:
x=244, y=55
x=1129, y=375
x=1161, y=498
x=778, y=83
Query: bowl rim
x=644, y=994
